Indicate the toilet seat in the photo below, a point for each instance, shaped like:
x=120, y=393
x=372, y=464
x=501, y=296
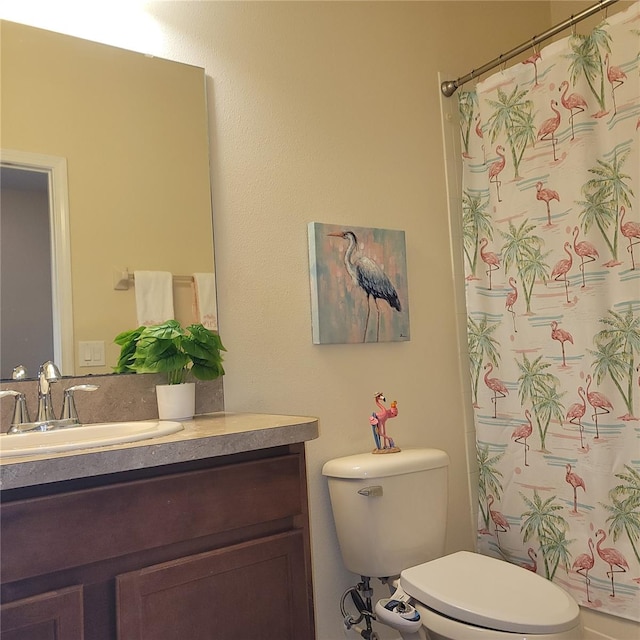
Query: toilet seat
x=490, y=593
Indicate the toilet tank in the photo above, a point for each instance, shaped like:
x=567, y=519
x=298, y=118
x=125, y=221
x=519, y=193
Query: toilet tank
x=390, y=510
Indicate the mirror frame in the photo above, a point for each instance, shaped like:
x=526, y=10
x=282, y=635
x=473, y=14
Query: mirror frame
x=59, y=237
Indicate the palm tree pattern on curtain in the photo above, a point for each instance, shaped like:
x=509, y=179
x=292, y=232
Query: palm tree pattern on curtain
x=551, y=242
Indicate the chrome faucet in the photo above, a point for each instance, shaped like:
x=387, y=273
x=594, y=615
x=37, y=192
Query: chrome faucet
x=47, y=374
x=45, y=419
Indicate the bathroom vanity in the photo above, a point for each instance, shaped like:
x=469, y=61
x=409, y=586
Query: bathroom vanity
x=197, y=535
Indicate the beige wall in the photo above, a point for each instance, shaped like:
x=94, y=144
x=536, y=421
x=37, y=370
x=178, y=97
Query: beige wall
x=329, y=111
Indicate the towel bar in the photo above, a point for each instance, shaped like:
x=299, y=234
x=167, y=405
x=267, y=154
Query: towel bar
x=123, y=279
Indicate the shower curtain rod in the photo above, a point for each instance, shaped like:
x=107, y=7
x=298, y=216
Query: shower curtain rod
x=448, y=87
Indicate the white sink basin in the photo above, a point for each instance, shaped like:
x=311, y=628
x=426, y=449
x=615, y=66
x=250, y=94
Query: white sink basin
x=87, y=436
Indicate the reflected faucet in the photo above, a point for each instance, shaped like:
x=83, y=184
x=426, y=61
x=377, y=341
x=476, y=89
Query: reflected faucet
x=19, y=372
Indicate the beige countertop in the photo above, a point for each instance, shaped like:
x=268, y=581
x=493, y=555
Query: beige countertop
x=206, y=436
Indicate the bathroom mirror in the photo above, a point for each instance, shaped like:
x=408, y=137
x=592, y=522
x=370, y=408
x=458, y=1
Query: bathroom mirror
x=132, y=131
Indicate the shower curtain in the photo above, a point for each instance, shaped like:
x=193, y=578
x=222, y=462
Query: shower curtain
x=551, y=239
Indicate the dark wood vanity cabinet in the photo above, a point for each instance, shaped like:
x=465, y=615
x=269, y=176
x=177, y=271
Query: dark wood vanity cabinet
x=214, y=549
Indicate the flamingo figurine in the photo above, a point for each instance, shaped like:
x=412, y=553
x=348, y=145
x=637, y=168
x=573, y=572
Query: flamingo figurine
x=495, y=168
x=546, y=195
x=583, y=564
x=575, y=481
x=559, y=273
x=378, y=421
x=496, y=385
x=548, y=128
x=489, y=258
x=534, y=560
x=521, y=433
x=584, y=249
x=613, y=558
x=500, y=522
x=616, y=77
x=597, y=401
x=630, y=230
x=576, y=412
x=512, y=298
x=572, y=102
x=561, y=336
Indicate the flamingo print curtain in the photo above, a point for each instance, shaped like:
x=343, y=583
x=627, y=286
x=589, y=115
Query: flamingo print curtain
x=551, y=237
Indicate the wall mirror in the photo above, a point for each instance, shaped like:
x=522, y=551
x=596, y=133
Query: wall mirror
x=130, y=138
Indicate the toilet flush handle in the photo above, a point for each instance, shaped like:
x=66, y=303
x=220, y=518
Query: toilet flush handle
x=371, y=492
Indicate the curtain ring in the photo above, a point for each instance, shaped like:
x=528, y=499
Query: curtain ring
x=573, y=27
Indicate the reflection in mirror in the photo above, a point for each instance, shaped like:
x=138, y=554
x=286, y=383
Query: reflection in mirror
x=36, y=322
x=25, y=294
x=132, y=131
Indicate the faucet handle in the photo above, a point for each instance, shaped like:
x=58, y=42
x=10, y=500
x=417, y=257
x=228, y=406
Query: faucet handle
x=20, y=413
x=69, y=411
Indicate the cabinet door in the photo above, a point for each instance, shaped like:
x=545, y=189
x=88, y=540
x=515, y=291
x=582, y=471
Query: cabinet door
x=256, y=590
x=55, y=615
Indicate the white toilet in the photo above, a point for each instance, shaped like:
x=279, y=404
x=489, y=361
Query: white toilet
x=390, y=512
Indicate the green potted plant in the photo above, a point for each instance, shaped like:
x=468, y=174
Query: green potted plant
x=179, y=353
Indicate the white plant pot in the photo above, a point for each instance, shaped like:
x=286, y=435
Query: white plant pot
x=176, y=401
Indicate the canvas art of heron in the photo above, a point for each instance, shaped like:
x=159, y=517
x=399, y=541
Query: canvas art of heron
x=367, y=274
x=348, y=266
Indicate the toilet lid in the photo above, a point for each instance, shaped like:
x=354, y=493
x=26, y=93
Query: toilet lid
x=491, y=593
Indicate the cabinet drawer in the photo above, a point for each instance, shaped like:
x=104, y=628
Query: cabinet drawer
x=256, y=590
x=52, y=533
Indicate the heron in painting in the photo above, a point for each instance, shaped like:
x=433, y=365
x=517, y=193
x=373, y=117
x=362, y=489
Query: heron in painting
x=370, y=277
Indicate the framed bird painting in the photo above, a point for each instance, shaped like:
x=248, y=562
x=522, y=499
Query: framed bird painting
x=359, y=287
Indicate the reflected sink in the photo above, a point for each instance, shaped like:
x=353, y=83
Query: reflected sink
x=83, y=437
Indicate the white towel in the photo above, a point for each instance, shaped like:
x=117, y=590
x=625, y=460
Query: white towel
x=204, y=300
x=154, y=297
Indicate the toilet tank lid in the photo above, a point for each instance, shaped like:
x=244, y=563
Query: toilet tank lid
x=373, y=465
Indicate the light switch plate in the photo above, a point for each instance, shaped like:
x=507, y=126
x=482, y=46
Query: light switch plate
x=91, y=353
